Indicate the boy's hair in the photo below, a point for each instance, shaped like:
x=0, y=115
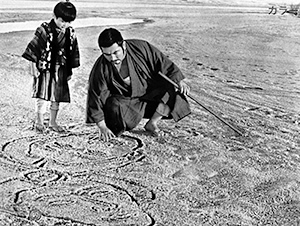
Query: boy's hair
x=108, y=37
x=65, y=10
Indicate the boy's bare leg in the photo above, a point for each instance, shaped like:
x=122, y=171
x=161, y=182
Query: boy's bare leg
x=39, y=122
x=40, y=109
x=52, y=123
x=39, y=118
x=54, y=107
x=53, y=117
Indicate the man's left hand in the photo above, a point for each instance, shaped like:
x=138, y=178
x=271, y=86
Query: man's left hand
x=184, y=88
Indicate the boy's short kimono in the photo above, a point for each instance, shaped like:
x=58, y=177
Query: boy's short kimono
x=55, y=52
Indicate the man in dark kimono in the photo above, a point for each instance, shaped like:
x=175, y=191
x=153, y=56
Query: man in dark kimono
x=124, y=86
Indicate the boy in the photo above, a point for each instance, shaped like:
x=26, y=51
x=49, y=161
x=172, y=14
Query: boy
x=53, y=52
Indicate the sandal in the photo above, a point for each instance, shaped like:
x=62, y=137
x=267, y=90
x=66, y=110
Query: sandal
x=57, y=129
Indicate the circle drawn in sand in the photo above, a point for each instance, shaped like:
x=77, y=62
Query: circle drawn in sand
x=71, y=180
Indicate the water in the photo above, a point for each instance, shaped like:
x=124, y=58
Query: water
x=20, y=6
x=86, y=22
x=34, y=7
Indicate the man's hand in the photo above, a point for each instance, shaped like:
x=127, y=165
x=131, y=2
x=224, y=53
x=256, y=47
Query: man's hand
x=105, y=133
x=184, y=88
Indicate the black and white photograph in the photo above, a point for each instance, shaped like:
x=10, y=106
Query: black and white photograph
x=150, y=112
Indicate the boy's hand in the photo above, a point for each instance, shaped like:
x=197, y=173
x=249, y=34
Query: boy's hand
x=33, y=70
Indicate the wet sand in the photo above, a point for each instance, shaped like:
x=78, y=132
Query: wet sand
x=244, y=65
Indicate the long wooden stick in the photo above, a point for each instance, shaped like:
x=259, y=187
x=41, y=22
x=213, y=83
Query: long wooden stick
x=207, y=109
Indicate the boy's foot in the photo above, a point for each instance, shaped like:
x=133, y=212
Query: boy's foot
x=56, y=128
x=40, y=128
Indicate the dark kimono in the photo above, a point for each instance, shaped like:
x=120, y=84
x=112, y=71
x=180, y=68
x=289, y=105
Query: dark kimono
x=122, y=106
x=55, y=53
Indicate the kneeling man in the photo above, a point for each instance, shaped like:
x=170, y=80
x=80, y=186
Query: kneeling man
x=124, y=86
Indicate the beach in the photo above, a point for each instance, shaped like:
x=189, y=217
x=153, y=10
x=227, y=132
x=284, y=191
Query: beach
x=240, y=62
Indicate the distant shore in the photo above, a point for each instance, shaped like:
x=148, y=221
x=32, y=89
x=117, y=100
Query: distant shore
x=79, y=23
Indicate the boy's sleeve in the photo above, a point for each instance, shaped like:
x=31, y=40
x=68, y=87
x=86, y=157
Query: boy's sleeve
x=35, y=46
x=75, y=57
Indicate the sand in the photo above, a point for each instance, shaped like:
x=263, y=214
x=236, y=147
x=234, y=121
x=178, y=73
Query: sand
x=241, y=63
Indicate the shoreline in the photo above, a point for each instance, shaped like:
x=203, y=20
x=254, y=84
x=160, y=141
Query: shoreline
x=9, y=27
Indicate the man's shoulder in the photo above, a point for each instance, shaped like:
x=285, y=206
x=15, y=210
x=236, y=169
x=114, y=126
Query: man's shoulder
x=99, y=60
x=100, y=63
x=136, y=42
x=139, y=45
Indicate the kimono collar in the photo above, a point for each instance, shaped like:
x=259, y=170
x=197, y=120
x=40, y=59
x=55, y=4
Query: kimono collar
x=48, y=58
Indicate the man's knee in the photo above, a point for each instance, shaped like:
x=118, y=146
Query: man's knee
x=112, y=105
x=163, y=109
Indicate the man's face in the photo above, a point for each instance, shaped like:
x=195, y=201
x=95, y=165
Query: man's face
x=115, y=53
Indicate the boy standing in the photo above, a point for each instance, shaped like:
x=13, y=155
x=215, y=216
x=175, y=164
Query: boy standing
x=53, y=52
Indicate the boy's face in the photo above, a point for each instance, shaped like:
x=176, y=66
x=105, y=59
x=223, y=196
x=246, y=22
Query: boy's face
x=60, y=23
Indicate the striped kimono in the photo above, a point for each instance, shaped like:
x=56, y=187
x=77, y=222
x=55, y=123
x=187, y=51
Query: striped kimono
x=55, y=52
x=122, y=106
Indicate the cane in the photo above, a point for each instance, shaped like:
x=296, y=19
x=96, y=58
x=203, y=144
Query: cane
x=207, y=109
